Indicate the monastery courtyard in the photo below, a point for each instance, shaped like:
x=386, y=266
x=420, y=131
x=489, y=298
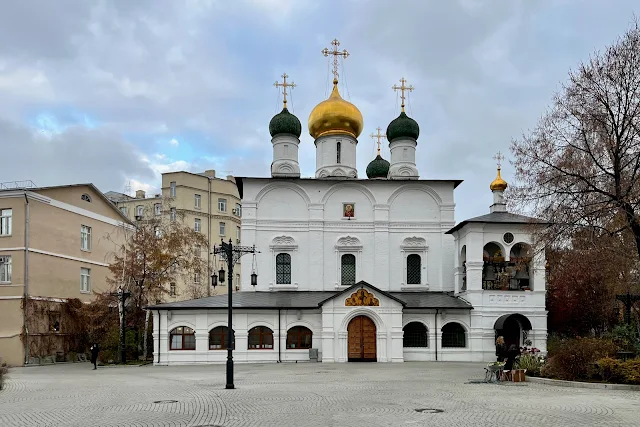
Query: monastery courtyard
x=309, y=394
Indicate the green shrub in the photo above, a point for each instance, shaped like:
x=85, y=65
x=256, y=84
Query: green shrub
x=626, y=337
x=4, y=370
x=575, y=359
x=532, y=363
x=618, y=371
x=631, y=371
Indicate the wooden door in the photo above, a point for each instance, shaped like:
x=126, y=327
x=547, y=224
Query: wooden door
x=361, y=340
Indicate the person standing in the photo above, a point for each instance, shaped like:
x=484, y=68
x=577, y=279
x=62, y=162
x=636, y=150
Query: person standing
x=95, y=349
x=501, y=349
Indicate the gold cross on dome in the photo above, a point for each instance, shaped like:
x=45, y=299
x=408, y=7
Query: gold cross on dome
x=498, y=158
x=378, y=136
x=402, y=88
x=336, y=53
x=284, y=85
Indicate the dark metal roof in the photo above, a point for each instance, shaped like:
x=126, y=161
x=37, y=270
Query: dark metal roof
x=309, y=300
x=497, y=218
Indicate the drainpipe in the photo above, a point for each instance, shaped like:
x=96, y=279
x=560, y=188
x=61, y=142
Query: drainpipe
x=209, y=237
x=436, y=332
x=26, y=278
x=279, y=337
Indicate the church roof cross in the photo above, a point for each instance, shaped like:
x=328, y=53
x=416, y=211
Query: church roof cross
x=498, y=158
x=378, y=136
x=402, y=88
x=284, y=85
x=336, y=53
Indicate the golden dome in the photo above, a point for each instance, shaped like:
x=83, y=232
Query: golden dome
x=498, y=183
x=335, y=116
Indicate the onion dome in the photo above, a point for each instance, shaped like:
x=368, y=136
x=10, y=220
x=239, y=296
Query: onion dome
x=402, y=126
x=378, y=168
x=285, y=122
x=498, y=184
x=335, y=116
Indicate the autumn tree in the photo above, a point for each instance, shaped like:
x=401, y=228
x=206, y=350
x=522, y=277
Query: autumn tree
x=580, y=167
x=159, y=251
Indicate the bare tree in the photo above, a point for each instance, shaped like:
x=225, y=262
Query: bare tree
x=580, y=168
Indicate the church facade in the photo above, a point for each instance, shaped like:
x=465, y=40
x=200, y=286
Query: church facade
x=354, y=269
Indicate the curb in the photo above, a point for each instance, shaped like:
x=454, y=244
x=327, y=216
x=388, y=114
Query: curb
x=578, y=384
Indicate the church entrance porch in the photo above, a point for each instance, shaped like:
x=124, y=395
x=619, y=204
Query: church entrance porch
x=361, y=340
x=513, y=328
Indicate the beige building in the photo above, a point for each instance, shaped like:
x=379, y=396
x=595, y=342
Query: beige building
x=208, y=204
x=55, y=245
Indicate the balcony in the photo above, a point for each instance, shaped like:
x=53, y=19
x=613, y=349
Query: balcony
x=501, y=275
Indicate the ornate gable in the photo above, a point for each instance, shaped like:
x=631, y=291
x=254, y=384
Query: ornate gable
x=362, y=297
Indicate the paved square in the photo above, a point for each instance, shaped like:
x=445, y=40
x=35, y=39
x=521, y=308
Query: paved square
x=300, y=395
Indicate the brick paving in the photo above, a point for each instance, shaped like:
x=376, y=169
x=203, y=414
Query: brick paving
x=300, y=395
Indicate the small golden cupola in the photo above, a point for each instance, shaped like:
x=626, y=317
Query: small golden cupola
x=334, y=115
x=498, y=184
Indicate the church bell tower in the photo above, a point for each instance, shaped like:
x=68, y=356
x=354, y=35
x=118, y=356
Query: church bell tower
x=285, y=130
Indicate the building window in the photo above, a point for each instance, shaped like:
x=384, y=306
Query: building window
x=157, y=231
x=85, y=280
x=338, y=149
x=172, y=214
x=5, y=222
x=348, y=270
x=139, y=210
x=260, y=337
x=182, y=338
x=54, y=321
x=123, y=209
x=172, y=189
x=196, y=278
x=415, y=335
x=86, y=198
x=237, y=234
x=238, y=209
x=157, y=209
x=222, y=205
x=197, y=201
x=85, y=238
x=299, y=337
x=283, y=269
x=223, y=227
x=5, y=269
x=196, y=225
x=453, y=336
x=414, y=268
x=172, y=290
x=219, y=338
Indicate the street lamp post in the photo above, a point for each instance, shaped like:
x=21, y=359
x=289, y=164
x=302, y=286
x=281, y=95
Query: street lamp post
x=231, y=255
x=628, y=300
x=122, y=298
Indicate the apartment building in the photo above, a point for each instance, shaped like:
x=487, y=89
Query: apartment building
x=209, y=204
x=55, y=244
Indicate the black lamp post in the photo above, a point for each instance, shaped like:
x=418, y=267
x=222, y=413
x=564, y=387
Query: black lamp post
x=231, y=254
x=122, y=298
x=628, y=300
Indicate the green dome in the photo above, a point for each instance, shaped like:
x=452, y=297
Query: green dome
x=378, y=168
x=285, y=122
x=403, y=126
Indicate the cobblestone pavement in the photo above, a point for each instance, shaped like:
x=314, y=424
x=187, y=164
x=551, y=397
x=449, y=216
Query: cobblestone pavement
x=300, y=395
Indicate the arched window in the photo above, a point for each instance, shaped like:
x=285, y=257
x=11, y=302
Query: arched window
x=453, y=335
x=299, y=337
x=182, y=338
x=260, y=337
x=86, y=198
x=415, y=335
x=414, y=267
x=283, y=269
x=348, y=269
x=338, y=149
x=219, y=337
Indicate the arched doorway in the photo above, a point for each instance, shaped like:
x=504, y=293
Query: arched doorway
x=511, y=328
x=361, y=345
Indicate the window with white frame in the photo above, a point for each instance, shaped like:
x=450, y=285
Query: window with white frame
x=238, y=209
x=196, y=225
x=123, y=209
x=223, y=228
x=238, y=234
x=172, y=189
x=348, y=270
x=173, y=214
x=139, y=210
x=5, y=222
x=283, y=253
x=197, y=202
x=85, y=280
x=414, y=253
x=414, y=269
x=283, y=269
x=157, y=231
x=157, y=209
x=5, y=269
x=196, y=278
x=222, y=205
x=85, y=238
x=172, y=290
x=348, y=252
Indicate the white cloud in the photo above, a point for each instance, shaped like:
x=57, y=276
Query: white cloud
x=174, y=142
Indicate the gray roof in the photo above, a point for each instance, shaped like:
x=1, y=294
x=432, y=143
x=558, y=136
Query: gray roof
x=498, y=218
x=308, y=300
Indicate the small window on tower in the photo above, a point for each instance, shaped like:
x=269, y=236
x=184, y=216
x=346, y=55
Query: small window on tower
x=338, y=149
x=286, y=150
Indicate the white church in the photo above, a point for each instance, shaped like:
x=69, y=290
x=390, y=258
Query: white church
x=355, y=269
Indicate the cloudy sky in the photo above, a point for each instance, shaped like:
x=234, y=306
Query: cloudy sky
x=119, y=91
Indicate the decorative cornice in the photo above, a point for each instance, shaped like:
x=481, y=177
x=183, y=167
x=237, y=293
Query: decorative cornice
x=414, y=242
x=348, y=242
x=283, y=240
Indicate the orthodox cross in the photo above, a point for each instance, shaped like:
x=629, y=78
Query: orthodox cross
x=498, y=158
x=378, y=136
x=402, y=88
x=284, y=85
x=336, y=53
x=628, y=300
